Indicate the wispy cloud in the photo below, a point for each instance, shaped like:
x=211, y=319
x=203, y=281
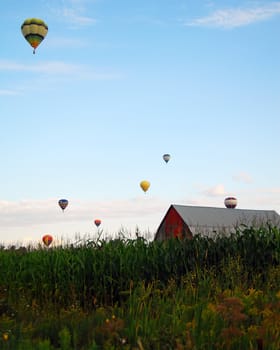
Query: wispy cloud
x=260, y=198
x=75, y=12
x=237, y=17
x=60, y=68
x=50, y=67
x=243, y=177
x=6, y=92
x=33, y=212
x=266, y=198
x=27, y=220
x=61, y=42
x=75, y=16
x=216, y=191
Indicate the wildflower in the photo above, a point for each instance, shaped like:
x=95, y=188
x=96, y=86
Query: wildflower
x=253, y=311
x=122, y=341
x=5, y=336
x=231, y=332
x=253, y=331
x=231, y=310
x=211, y=307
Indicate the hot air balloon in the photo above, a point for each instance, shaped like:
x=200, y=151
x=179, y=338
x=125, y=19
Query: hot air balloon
x=63, y=203
x=34, y=30
x=47, y=239
x=230, y=202
x=145, y=185
x=97, y=222
x=166, y=157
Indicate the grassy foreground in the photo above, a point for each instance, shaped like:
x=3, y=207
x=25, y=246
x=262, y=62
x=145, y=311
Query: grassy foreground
x=221, y=293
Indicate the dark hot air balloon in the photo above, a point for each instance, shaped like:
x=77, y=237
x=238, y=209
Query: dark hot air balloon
x=63, y=203
x=166, y=157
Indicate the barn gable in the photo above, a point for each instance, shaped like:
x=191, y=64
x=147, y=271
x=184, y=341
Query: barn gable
x=186, y=221
x=173, y=225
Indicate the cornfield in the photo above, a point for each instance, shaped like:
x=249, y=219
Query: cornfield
x=203, y=293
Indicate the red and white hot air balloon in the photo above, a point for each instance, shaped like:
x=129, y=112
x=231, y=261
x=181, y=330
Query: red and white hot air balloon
x=230, y=202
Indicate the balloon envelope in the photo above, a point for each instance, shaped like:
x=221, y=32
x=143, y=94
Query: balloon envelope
x=230, y=202
x=63, y=203
x=97, y=222
x=34, y=30
x=145, y=185
x=166, y=157
x=47, y=239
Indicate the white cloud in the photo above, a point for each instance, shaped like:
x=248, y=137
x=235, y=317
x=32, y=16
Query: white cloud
x=28, y=220
x=243, y=177
x=75, y=12
x=216, y=191
x=264, y=198
x=61, y=42
x=7, y=92
x=74, y=16
x=237, y=17
x=50, y=67
x=33, y=212
x=261, y=198
x=60, y=68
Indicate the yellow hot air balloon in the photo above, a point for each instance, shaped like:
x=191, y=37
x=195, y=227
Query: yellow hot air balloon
x=145, y=185
x=34, y=30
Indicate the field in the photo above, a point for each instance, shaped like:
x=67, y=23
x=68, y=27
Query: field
x=202, y=294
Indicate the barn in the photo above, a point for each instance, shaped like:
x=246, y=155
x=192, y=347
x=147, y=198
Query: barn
x=184, y=221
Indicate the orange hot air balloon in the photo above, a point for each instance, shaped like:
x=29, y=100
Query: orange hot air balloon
x=47, y=239
x=97, y=222
x=145, y=185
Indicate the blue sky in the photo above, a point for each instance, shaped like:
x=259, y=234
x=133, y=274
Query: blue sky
x=114, y=86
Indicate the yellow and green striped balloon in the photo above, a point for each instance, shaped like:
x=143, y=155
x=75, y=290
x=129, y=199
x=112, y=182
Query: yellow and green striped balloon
x=34, y=30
